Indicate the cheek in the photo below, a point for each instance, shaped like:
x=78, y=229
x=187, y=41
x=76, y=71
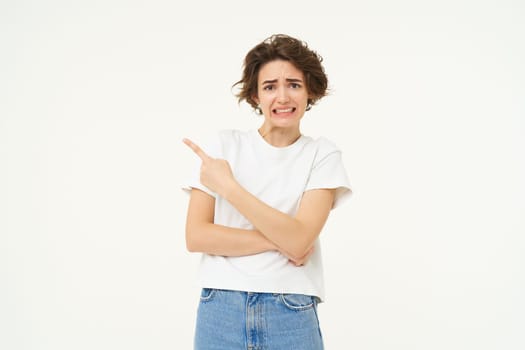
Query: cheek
x=301, y=95
x=265, y=101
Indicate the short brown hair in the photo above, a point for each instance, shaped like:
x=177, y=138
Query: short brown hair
x=283, y=47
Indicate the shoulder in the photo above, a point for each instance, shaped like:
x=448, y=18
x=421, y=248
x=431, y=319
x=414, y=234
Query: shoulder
x=230, y=140
x=217, y=142
x=232, y=135
x=326, y=145
x=323, y=146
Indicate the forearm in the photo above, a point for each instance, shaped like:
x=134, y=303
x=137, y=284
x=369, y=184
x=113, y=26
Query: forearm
x=291, y=236
x=226, y=241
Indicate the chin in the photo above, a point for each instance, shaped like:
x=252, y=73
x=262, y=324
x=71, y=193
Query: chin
x=285, y=123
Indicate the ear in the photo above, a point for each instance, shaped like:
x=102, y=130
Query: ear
x=256, y=99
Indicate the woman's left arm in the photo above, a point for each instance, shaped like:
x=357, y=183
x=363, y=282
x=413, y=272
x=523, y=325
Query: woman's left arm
x=294, y=235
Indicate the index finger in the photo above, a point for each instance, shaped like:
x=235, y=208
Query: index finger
x=202, y=155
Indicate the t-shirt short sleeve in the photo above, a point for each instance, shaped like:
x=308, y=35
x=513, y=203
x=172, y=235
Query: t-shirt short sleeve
x=328, y=171
x=213, y=148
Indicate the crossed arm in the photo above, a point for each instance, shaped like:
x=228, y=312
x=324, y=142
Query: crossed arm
x=275, y=230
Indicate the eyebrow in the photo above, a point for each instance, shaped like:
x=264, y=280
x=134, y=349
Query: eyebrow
x=290, y=80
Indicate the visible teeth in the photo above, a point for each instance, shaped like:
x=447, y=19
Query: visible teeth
x=284, y=110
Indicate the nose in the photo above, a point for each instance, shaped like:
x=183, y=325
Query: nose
x=282, y=95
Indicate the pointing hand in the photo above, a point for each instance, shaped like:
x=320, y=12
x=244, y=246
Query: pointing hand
x=216, y=174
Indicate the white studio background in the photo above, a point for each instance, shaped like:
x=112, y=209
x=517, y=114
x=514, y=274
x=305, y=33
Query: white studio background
x=427, y=103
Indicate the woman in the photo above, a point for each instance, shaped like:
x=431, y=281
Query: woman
x=258, y=207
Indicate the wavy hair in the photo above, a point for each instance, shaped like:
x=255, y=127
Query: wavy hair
x=287, y=48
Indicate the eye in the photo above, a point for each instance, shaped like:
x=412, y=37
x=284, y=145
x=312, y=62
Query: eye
x=268, y=87
x=295, y=86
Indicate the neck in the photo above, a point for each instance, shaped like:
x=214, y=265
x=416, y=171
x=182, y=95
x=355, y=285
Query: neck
x=279, y=137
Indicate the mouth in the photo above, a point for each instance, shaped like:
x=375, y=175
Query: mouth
x=283, y=111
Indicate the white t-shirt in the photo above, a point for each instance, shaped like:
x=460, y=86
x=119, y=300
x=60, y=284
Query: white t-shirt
x=278, y=176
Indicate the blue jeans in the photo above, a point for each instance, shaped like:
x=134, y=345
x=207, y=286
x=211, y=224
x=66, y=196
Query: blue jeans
x=231, y=320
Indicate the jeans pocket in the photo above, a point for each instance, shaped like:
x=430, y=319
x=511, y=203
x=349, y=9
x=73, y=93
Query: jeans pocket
x=298, y=302
x=207, y=294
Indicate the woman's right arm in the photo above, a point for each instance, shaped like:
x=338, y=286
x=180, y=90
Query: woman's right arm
x=203, y=236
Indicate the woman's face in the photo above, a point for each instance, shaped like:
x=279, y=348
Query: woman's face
x=281, y=94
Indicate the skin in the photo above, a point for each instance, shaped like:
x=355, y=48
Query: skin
x=282, y=97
